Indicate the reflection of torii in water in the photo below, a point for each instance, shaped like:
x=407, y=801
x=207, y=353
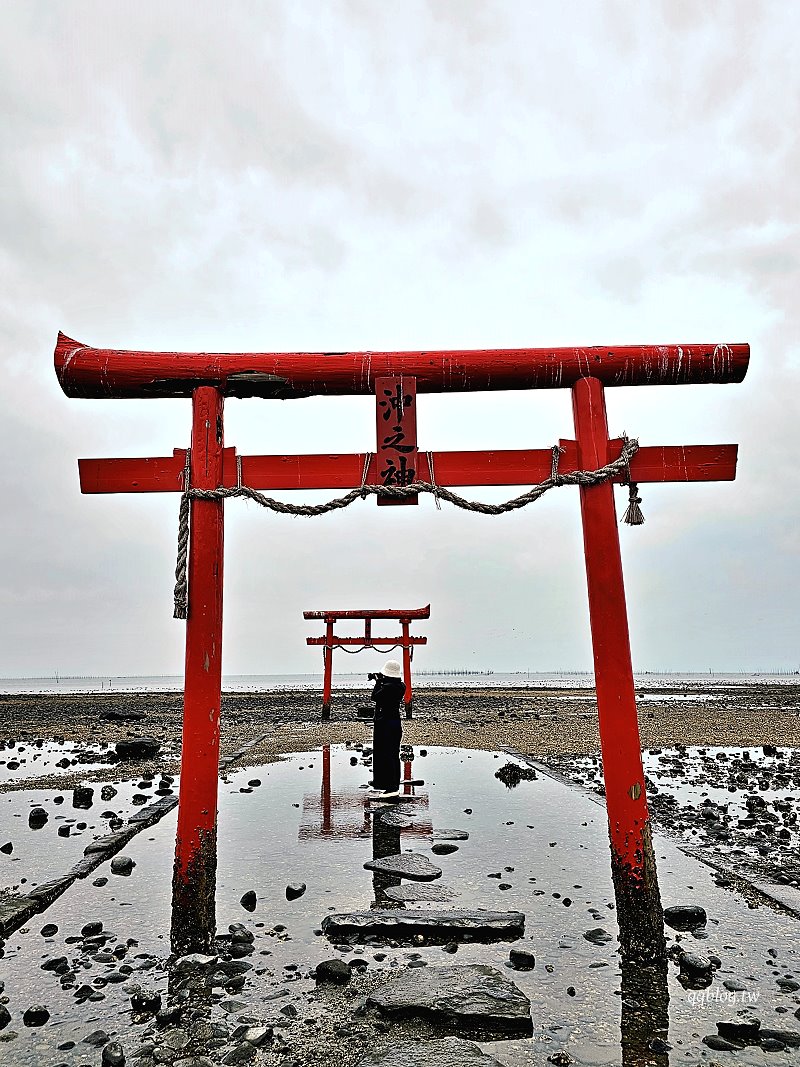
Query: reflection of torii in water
x=339, y=814
x=348, y=813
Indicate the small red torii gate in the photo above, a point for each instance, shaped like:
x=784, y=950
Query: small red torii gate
x=395, y=378
x=331, y=641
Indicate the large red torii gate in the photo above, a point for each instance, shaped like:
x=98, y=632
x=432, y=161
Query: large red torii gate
x=396, y=377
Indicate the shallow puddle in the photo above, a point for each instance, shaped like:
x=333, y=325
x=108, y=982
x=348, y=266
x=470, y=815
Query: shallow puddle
x=540, y=848
x=21, y=760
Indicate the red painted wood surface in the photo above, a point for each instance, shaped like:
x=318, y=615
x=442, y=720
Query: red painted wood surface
x=102, y=372
x=396, y=435
x=370, y=613
x=327, y=656
x=408, y=641
x=366, y=641
x=195, y=856
x=669, y=463
x=616, y=699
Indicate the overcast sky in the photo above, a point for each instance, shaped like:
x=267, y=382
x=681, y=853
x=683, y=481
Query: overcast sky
x=383, y=174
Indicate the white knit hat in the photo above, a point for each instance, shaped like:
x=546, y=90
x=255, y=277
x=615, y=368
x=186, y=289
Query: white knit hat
x=391, y=669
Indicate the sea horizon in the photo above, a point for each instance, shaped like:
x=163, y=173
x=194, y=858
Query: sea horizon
x=576, y=679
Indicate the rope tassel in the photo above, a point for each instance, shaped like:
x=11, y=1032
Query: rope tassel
x=633, y=513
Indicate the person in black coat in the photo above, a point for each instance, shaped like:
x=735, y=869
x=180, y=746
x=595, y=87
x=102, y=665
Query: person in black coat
x=388, y=695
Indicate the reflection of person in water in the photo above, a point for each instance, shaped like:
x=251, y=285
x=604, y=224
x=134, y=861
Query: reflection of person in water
x=385, y=842
x=388, y=732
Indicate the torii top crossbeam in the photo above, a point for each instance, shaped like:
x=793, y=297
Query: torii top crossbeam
x=103, y=372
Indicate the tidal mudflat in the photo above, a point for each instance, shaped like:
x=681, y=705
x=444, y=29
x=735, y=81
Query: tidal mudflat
x=472, y=922
x=291, y=981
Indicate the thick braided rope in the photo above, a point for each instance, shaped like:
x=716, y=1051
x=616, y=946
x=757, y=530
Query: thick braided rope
x=587, y=479
x=181, y=594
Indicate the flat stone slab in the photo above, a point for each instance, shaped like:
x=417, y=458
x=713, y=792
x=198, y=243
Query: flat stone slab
x=449, y=1052
x=450, y=835
x=397, y=819
x=438, y=926
x=475, y=997
x=416, y=891
x=406, y=865
x=15, y=910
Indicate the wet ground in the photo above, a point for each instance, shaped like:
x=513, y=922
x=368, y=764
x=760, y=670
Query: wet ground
x=540, y=848
x=535, y=719
x=740, y=806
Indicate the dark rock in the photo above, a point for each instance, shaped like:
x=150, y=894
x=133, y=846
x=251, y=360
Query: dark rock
x=122, y=865
x=170, y=1014
x=122, y=714
x=100, y=882
x=92, y=929
x=36, y=1016
x=598, y=936
x=746, y=1031
x=512, y=774
x=436, y=926
x=449, y=1052
x=37, y=818
x=242, y=1053
x=146, y=1001
x=97, y=1038
x=771, y=1044
x=137, y=748
x=685, y=917
x=337, y=971
x=411, y=892
x=82, y=796
x=295, y=890
x=695, y=970
x=443, y=848
x=522, y=959
x=475, y=997
x=721, y=1044
x=113, y=1055
x=7, y=848
x=5, y=1016
x=240, y=935
x=406, y=865
x=56, y=963
x=232, y=967
x=49, y=930
x=108, y=792
x=788, y=1038
x=249, y=900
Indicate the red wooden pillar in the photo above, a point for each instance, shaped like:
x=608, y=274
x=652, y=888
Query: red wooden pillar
x=407, y=667
x=407, y=775
x=328, y=661
x=632, y=861
x=194, y=878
